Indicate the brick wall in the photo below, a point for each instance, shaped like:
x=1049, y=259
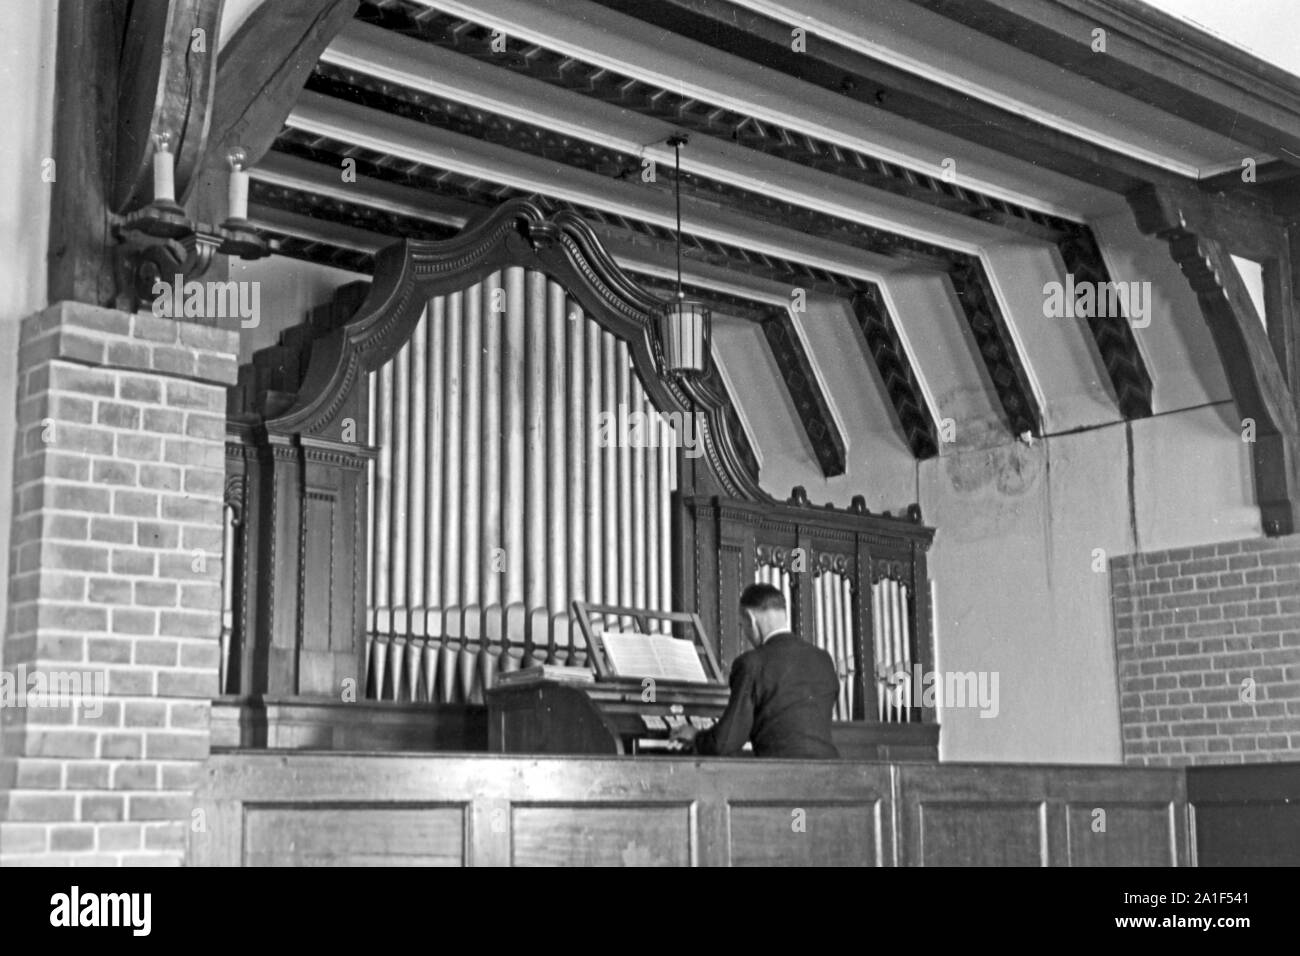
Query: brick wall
x=1208, y=649
x=116, y=583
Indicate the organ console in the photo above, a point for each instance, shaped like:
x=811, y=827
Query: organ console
x=611, y=711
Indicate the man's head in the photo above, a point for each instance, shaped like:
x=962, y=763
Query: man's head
x=762, y=612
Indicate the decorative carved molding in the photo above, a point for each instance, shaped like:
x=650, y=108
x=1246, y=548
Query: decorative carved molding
x=801, y=383
x=1112, y=334
x=911, y=411
x=517, y=233
x=996, y=347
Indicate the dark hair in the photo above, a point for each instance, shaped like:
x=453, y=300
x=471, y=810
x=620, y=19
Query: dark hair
x=762, y=597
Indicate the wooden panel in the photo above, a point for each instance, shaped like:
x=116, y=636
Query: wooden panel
x=1133, y=835
x=1246, y=815
x=809, y=834
x=1258, y=834
x=583, y=835
x=677, y=811
x=1036, y=814
x=354, y=836
x=975, y=834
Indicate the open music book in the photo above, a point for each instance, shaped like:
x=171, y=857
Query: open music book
x=660, y=656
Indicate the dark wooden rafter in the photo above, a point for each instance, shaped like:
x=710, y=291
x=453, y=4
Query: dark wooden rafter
x=264, y=66
x=801, y=383
x=1112, y=334
x=996, y=347
x=886, y=350
x=1189, y=223
x=1153, y=56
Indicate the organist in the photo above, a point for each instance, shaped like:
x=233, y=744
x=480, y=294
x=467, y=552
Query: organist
x=783, y=691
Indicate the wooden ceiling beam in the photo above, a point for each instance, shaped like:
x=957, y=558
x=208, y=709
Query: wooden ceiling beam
x=1195, y=232
x=1152, y=56
x=764, y=40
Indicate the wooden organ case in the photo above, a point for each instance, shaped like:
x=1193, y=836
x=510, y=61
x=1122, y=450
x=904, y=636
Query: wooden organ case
x=423, y=477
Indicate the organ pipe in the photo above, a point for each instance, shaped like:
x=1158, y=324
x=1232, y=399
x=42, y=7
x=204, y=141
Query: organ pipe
x=497, y=496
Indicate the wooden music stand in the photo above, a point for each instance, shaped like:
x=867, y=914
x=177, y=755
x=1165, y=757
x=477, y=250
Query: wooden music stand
x=602, y=612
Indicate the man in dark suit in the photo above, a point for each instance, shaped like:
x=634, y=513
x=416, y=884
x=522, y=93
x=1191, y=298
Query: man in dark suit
x=782, y=692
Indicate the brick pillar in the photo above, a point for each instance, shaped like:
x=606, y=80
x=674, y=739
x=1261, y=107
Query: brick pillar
x=115, y=583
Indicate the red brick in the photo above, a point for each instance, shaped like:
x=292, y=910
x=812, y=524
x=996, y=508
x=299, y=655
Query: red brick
x=135, y=504
x=109, y=650
x=201, y=654
x=168, y=836
x=133, y=561
x=135, y=776
x=124, y=836
x=72, y=838
x=154, y=329
x=164, y=420
x=145, y=713
x=112, y=530
x=200, y=684
x=176, y=746
x=135, y=621
x=109, y=591
x=130, y=682
x=209, y=398
x=79, y=498
x=156, y=653
x=118, y=415
x=187, y=624
x=66, y=377
x=174, y=361
x=103, y=807
x=160, y=806
x=140, y=388
x=157, y=534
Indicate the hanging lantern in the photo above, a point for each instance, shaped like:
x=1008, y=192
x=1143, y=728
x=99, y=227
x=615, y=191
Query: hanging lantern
x=684, y=335
x=683, y=323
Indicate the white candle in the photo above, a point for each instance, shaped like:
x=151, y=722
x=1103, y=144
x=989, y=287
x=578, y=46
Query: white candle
x=164, y=182
x=238, y=194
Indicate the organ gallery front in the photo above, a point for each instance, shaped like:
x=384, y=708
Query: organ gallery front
x=425, y=476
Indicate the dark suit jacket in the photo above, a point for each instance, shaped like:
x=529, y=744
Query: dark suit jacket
x=782, y=696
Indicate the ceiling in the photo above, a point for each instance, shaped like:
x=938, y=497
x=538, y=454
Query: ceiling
x=917, y=176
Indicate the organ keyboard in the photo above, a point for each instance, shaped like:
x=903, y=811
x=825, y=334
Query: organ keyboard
x=612, y=713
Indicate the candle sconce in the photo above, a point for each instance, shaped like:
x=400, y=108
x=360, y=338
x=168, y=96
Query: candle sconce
x=159, y=241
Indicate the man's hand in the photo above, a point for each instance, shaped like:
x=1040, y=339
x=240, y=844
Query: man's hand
x=685, y=733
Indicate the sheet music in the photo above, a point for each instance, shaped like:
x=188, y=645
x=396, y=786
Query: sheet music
x=653, y=655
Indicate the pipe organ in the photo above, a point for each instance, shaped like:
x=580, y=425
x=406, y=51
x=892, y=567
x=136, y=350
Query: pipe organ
x=424, y=475
x=520, y=465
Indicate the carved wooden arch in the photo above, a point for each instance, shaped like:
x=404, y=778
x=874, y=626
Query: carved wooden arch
x=516, y=233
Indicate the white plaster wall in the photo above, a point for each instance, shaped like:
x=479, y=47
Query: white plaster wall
x=27, y=47
x=1015, y=588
